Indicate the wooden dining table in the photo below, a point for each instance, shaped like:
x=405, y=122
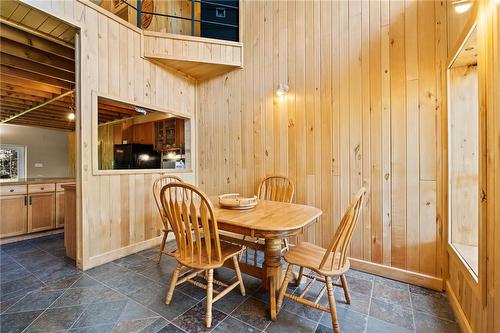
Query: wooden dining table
x=272, y=221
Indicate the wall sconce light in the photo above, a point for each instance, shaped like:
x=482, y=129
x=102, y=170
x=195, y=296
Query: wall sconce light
x=281, y=91
x=461, y=6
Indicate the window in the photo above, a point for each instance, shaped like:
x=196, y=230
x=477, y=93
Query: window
x=464, y=154
x=12, y=162
x=134, y=137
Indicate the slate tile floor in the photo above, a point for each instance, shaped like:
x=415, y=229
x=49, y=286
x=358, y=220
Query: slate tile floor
x=42, y=291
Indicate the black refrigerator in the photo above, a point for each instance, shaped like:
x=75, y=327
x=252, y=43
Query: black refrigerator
x=136, y=156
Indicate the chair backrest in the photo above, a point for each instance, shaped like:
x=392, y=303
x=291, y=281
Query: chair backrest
x=276, y=188
x=191, y=216
x=339, y=245
x=157, y=185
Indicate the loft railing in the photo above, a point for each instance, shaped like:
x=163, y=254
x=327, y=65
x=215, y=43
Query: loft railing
x=220, y=7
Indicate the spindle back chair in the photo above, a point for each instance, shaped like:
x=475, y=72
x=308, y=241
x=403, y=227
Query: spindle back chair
x=325, y=263
x=157, y=185
x=199, y=248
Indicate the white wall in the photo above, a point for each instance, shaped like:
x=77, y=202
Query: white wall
x=46, y=146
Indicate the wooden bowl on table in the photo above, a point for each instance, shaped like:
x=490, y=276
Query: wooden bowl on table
x=236, y=201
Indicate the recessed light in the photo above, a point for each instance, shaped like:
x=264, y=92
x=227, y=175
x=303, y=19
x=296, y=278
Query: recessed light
x=71, y=116
x=461, y=6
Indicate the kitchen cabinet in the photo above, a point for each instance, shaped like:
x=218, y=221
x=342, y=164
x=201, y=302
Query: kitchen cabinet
x=41, y=211
x=27, y=207
x=13, y=215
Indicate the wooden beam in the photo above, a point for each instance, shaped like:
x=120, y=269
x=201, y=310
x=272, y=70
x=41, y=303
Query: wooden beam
x=39, y=106
x=42, y=32
x=30, y=40
x=34, y=67
x=35, y=77
x=25, y=91
x=42, y=57
x=17, y=81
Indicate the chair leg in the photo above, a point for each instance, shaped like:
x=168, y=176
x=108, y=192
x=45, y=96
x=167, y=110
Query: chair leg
x=284, y=285
x=301, y=272
x=210, y=280
x=173, y=283
x=162, y=246
x=343, y=279
x=238, y=274
x=286, y=245
x=331, y=300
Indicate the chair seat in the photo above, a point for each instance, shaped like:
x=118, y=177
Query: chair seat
x=309, y=256
x=228, y=250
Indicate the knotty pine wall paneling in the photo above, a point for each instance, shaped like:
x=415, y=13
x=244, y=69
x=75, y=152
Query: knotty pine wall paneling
x=118, y=214
x=365, y=93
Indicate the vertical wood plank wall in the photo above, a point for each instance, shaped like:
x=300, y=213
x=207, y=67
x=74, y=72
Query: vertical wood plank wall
x=365, y=93
x=118, y=211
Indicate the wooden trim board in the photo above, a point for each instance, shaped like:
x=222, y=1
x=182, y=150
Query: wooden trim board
x=457, y=310
x=398, y=274
x=121, y=252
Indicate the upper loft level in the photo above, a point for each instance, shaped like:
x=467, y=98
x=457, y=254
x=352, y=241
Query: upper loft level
x=199, y=38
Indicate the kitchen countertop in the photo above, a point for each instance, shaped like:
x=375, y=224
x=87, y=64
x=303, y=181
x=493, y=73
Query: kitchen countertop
x=26, y=181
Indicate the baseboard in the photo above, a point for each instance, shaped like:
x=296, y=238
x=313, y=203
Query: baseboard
x=121, y=252
x=457, y=310
x=402, y=275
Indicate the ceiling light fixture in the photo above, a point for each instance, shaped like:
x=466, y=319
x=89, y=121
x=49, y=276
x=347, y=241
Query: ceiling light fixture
x=461, y=6
x=71, y=116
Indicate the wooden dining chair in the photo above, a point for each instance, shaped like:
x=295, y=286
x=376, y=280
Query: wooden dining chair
x=274, y=188
x=199, y=248
x=326, y=263
x=157, y=186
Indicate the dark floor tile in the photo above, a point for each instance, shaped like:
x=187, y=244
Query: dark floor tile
x=24, y=284
x=360, y=274
x=253, y=312
x=106, y=271
x=91, y=295
x=349, y=321
x=17, y=322
x=59, y=252
x=156, y=326
x=128, y=283
x=231, y=324
x=13, y=272
x=18, y=249
x=39, y=260
x=231, y=301
x=5, y=305
x=291, y=323
x=359, y=302
x=193, y=320
x=387, y=292
x=323, y=329
x=37, y=300
x=94, y=329
x=426, y=323
x=427, y=292
x=151, y=253
x=301, y=309
x=153, y=297
x=101, y=314
x=53, y=272
x=56, y=319
x=360, y=285
x=435, y=306
x=85, y=281
x=160, y=273
x=134, y=311
x=135, y=262
x=171, y=328
x=133, y=326
x=391, y=283
x=62, y=283
x=380, y=326
x=392, y=313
